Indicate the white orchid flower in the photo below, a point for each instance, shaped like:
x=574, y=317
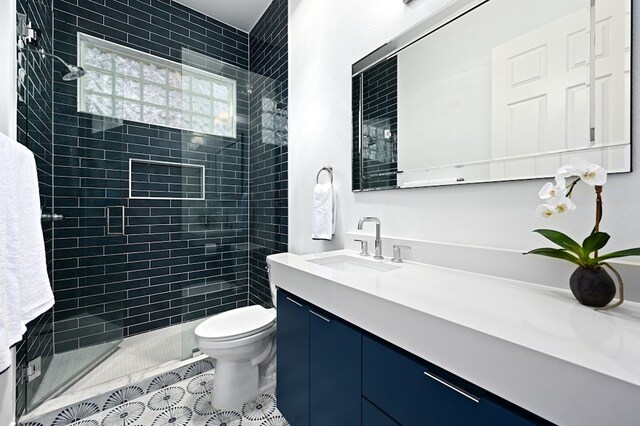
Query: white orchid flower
x=545, y=211
x=589, y=173
x=555, y=206
x=549, y=190
x=566, y=171
x=561, y=204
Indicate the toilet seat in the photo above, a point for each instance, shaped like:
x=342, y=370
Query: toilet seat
x=236, y=324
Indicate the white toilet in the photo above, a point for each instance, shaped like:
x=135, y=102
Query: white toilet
x=242, y=341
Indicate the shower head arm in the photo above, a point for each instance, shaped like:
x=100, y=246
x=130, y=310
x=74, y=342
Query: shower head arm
x=43, y=53
x=74, y=72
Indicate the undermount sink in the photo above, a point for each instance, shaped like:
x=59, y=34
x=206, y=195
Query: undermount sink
x=354, y=265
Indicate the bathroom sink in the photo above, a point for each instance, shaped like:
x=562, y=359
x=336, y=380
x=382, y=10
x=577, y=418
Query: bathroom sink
x=354, y=265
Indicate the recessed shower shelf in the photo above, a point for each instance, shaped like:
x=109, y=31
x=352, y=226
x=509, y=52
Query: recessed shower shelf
x=163, y=180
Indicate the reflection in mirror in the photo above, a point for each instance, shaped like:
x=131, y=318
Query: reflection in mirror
x=502, y=92
x=377, y=141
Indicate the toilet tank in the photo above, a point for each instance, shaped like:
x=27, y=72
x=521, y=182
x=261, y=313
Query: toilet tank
x=272, y=287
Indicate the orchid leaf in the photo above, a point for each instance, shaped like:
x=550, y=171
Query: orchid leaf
x=591, y=263
x=562, y=240
x=558, y=254
x=594, y=242
x=621, y=253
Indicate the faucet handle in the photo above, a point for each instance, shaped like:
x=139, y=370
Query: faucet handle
x=397, y=252
x=364, y=247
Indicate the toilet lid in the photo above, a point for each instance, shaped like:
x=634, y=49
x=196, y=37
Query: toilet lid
x=236, y=323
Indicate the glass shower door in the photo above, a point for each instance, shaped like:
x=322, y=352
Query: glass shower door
x=83, y=172
x=90, y=256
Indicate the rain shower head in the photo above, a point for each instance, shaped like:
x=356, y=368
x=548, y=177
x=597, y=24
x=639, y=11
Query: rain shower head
x=73, y=72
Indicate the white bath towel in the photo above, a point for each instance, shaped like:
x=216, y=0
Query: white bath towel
x=25, y=290
x=323, y=225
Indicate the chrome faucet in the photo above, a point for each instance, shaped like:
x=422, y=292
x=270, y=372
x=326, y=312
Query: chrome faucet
x=378, y=242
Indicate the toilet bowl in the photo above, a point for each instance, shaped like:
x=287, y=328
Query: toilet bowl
x=242, y=341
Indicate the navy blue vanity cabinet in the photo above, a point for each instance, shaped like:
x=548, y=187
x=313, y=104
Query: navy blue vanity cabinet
x=336, y=369
x=332, y=373
x=319, y=366
x=417, y=393
x=293, y=359
x=372, y=416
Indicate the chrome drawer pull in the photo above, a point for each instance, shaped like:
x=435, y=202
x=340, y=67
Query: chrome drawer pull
x=293, y=301
x=320, y=316
x=453, y=387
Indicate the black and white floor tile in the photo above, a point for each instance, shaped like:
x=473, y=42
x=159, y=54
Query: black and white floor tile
x=171, y=399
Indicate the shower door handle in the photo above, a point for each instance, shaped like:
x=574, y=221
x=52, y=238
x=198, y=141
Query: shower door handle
x=109, y=220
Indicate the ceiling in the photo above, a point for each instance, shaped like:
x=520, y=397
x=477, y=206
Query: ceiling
x=242, y=14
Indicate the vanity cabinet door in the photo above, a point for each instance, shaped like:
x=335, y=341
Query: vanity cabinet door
x=372, y=416
x=293, y=359
x=416, y=393
x=335, y=372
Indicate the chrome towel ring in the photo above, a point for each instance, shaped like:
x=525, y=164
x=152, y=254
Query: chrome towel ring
x=327, y=169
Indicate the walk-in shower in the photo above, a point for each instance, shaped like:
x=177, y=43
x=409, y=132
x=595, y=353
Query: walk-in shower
x=146, y=160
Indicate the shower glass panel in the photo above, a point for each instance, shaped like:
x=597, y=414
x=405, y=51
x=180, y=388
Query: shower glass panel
x=91, y=268
x=34, y=127
x=211, y=99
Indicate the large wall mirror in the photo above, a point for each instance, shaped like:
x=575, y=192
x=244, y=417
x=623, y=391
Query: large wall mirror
x=495, y=90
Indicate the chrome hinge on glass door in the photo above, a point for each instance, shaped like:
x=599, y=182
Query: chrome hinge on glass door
x=51, y=217
x=31, y=371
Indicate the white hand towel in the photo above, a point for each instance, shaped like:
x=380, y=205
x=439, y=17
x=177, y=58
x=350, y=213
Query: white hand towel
x=334, y=207
x=25, y=290
x=323, y=225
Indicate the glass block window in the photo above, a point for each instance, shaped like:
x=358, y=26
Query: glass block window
x=127, y=84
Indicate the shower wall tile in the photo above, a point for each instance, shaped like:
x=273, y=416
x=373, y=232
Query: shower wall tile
x=34, y=131
x=179, y=260
x=268, y=54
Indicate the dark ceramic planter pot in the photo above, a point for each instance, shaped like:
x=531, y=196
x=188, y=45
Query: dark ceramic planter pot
x=592, y=287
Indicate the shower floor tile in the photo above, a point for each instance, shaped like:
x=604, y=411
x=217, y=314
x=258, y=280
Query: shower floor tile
x=141, y=352
x=134, y=354
x=133, y=358
x=66, y=365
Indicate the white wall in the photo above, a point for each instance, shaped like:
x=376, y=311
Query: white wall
x=8, y=127
x=325, y=38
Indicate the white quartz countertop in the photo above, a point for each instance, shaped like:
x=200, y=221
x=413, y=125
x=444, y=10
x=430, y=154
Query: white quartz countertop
x=533, y=345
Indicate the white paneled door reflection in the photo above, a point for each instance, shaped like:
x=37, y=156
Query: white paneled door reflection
x=541, y=94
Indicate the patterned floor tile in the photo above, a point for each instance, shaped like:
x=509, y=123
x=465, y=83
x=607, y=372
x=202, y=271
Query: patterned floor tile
x=259, y=408
x=183, y=403
x=124, y=415
x=174, y=398
x=75, y=413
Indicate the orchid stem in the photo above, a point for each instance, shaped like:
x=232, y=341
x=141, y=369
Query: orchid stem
x=620, y=286
x=571, y=186
x=596, y=228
